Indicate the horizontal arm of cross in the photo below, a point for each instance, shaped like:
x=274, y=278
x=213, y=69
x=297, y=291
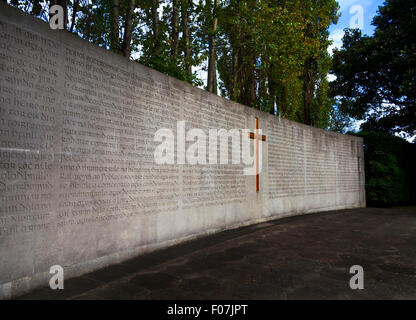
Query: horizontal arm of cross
x=256, y=136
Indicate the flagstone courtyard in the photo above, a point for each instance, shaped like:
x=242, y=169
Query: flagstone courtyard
x=303, y=257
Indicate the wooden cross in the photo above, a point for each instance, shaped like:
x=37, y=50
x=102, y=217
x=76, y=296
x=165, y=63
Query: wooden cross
x=257, y=137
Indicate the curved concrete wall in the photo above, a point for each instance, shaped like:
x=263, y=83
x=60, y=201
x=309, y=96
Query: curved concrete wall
x=79, y=186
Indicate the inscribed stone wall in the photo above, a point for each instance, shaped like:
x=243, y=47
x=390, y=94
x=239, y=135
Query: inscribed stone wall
x=79, y=186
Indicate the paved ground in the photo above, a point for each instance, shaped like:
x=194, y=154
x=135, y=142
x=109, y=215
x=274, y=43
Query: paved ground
x=305, y=257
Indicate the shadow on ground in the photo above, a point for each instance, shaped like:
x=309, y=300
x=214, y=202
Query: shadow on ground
x=303, y=257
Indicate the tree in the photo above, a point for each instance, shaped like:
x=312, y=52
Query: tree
x=74, y=15
x=114, y=37
x=128, y=28
x=175, y=28
x=155, y=26
x=376, y=75
x=186, y=42
x=162, y=47
x=318, y=16
x=390, y=173
x=212, y=8
x=272, y=52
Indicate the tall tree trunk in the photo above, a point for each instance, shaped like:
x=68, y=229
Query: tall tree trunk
x=175, y=28
x=64, y=5
x=253, y=82
x=235, y=72
x=308, y=87
x=186, y=6
x=74, y=14
x=271, y=85
x=308, y=80
x=128, y=29
x=272, y=93
x=155, y=22
x=114, y=36
x=244, y=76
x=248, y=78
x=212, y=59
x=36, y=8
x=236, y=63
x=284, y=108
x=89, y=19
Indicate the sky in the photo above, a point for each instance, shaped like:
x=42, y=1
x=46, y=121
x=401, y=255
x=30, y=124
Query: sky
x=351, y=11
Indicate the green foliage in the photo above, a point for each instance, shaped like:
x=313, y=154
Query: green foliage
x=162, y=60
x=322, y=105
x=376, y=75
x=94, y=22
x=166, y=65
x=266, y=44
x=389, y=169
x=338, y=120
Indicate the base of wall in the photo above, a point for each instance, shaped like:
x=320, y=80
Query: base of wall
x=24, y=285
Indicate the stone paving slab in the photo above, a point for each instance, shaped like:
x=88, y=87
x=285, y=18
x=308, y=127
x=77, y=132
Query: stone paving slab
x=302, y=257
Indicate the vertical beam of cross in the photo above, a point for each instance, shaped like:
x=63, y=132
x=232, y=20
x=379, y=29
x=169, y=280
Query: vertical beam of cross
x=256, y=138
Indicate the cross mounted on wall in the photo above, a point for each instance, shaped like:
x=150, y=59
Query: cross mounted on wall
x=257, y=137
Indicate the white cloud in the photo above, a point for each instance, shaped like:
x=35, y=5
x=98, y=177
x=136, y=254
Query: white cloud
x=336, y=38
x=331, y=77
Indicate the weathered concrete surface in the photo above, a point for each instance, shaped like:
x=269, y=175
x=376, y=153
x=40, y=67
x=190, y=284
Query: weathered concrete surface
x=304, y=257
x=79, y=184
